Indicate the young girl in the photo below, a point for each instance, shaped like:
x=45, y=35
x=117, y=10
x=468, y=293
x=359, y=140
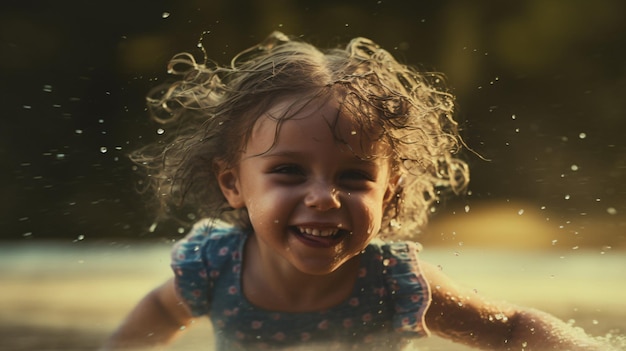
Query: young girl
x=305, y=163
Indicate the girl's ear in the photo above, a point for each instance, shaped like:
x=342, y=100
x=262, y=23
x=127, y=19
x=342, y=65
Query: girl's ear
x=392, y=188
x=228, y=179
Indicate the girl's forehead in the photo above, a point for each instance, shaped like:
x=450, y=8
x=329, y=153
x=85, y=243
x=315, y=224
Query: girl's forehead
x=320, y=111
x=328, y=115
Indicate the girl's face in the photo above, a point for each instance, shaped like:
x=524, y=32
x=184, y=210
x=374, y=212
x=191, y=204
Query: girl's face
x=311, y=200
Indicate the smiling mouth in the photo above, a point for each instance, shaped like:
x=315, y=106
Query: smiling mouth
x=320, y=237
x=318, y=232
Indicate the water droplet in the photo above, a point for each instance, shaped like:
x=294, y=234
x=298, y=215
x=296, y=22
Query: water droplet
x=582, y=135
x=160, y=131
x=574, y=168
x=520, y=212
x=501, y=317
x=153, y=227
x=165, y=15
x=47, y=88
x=78, y=131
x=103, y=149
x=567, y=197
x=611, y=211
x=467, y=208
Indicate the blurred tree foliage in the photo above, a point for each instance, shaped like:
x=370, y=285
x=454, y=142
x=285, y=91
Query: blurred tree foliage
x=540, y=84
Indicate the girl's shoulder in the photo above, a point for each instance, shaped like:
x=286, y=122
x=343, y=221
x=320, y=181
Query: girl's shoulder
x=405, y=283
x=208, y=241
x=394, y=251
x=200, y=258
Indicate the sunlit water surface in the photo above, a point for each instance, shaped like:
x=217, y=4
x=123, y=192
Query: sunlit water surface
x=69, y=296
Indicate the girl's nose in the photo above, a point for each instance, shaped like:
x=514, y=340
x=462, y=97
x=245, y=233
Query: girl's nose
x=322, y=197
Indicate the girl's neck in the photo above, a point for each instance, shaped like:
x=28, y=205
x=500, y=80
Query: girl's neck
x=274, y=284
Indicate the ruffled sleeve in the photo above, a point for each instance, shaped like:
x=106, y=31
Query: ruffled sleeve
x=410, y=291
x=194, y=266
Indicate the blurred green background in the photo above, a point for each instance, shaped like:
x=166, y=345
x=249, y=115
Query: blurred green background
x=541, y=86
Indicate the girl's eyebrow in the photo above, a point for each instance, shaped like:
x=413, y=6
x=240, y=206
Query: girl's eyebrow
x=282, y=153
x=367, y=162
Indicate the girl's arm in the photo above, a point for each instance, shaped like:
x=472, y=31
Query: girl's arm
x=156, y=320
x=461, y=315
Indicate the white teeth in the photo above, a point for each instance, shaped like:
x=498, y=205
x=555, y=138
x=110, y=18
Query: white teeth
x=318, y=232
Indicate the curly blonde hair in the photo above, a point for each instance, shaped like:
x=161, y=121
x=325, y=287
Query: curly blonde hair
x=214, y=108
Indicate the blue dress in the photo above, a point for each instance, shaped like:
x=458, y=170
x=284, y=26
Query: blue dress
x=385, y=310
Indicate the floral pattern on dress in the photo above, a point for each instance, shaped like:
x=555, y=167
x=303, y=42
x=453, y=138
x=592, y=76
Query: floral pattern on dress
x=386, y=308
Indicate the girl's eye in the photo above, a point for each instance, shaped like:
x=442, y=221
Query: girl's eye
x=287, y=169
x=357, y=176
x=288, y=174
x=356, y=180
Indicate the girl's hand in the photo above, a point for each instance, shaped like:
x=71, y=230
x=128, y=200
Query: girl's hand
x=156, y=320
